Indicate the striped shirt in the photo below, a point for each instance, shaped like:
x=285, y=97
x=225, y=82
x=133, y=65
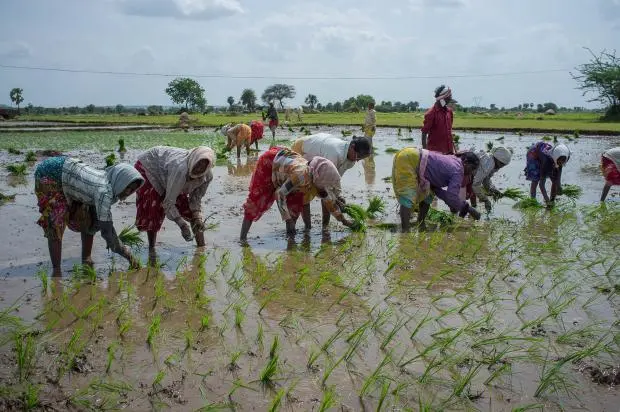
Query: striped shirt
x=89, y=186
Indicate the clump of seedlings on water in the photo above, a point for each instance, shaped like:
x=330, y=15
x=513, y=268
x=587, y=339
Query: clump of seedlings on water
x=17, y=169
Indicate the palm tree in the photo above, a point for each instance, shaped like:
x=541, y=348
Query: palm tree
x=231, y=102
x=311, y=101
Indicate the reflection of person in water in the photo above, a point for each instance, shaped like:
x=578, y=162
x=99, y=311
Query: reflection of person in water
x=369, y=169
x=240, y=169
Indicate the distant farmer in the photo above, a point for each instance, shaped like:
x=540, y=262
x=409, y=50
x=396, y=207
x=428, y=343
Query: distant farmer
x=175, y=182
x=257, y=131
x=418, y=173
x=272, y=115
x=610, y=161
x=70, y=193
x=343, y=154
x=184, y=121
x=238, y=136
x=545, y=161
x=285, y=177
x=482, y=185
x=437, y=128
x=370, y=123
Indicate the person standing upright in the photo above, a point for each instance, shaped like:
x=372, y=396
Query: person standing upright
x=437, y=128
x=370, y=123
x=272, y=115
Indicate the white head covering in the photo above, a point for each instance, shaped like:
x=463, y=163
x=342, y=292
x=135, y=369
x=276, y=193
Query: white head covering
x=502, y=154
x=559, y=151
x=197, y=154
x=122, y=175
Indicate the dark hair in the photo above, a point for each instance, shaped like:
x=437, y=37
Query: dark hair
x=361, y=145
x=470, y=158
x=439, y=90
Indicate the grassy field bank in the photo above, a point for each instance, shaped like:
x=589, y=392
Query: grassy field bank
x=563, y=122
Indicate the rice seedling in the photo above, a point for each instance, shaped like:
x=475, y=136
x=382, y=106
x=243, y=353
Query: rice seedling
x=239, y=315
x=17, y=169
x=277, y=400
x=260, y=335
x=571, y=191
x=530, y=407
x=269, y=371
x=130, y=236
x=329, y=399
x=440, y=217
x=31, y=397
x=489, y=146
x=312, y=358
x=159, y=377
x=43, y=276
x=14, y=151
x=513, y=193
x=528, y=203
x=189, y=338
x=375, y=375
x=397, y=326
x=462, y=382
x=111, y=355
x=30, y=157
x=25, y=351
x=328, y=370
x=205, y=321
x=154, y=329
x=6, y=198
x=234, y=357
x=391, y=150
x=358, y=215
x=275, y=344
x=376, y=206
x=110, y=160
x=385, y=388
x=387, y=179
x=546, y=138
x=121, y=145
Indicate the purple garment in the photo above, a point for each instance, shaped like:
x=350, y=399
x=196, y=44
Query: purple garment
x=446, y=170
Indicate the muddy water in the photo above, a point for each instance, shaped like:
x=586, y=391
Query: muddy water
x=339, y=295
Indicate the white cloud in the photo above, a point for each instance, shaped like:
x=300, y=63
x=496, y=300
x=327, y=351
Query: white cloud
x=418, y=5
x=181, y=9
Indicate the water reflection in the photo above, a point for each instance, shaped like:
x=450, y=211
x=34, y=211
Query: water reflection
x=239, y=169
x=369, y=169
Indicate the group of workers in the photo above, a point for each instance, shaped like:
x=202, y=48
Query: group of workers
x=171, y=182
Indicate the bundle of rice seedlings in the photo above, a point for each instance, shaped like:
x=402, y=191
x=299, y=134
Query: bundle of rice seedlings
x=571, y=191
x=31, y=157
x=17, y=169
x=110, y=160
x=489, y=145
x=121, y=145
x=456, y=138
x=358, y=214
x=440, y=217
x=546, y=138
x=513, y=193
x=14, y=151
x=6, y=198
x=307, y=132
x=346, y=132
x=391, y=150
x=387, y=179
x=376, y=205
x=528, y=203
x=130, y=236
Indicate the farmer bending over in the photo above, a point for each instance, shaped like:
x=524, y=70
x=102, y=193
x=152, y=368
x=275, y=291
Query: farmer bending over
x=70, y=193
x=545, y=161
x=285, y=177
x=609, y=165
x=482, y=185
x=417, y=173
x=175, y=182
x=343, y=154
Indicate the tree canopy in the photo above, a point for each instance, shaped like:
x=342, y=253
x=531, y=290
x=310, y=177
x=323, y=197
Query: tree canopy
x=16, y=96
x=248, y=99
x=278, y=92
x=187, y=92
x=601, y=77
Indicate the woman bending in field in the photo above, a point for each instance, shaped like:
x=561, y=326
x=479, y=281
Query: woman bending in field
x=284, y=177
x=175, y=182
x=418, y=173
x=545, y=161
x=611, y=171
x=71, y=193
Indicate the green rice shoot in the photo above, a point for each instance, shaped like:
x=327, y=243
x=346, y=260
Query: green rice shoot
x=440, y=217
x=391, y=150
x=528, y=203
x=31, y=157
x=571, y=191
x=376, y=206
x=110, y=160
x=17, y=169
x=6, y=198
x=513, y=193
x=130, y=236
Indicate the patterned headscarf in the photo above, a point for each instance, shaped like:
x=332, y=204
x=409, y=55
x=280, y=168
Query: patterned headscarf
x=196, y=155
x=122, y=175
x=443, y=93
x=325, y=175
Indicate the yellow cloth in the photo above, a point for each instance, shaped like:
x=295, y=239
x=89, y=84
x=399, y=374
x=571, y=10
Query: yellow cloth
x=405, y=178
x=298, y=146
x=369, y=131
x=240, y=135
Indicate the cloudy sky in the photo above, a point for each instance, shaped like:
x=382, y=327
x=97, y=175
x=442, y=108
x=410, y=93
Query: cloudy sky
x=422, y=43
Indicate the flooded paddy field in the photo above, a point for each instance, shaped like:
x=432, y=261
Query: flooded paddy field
x=518, y=311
